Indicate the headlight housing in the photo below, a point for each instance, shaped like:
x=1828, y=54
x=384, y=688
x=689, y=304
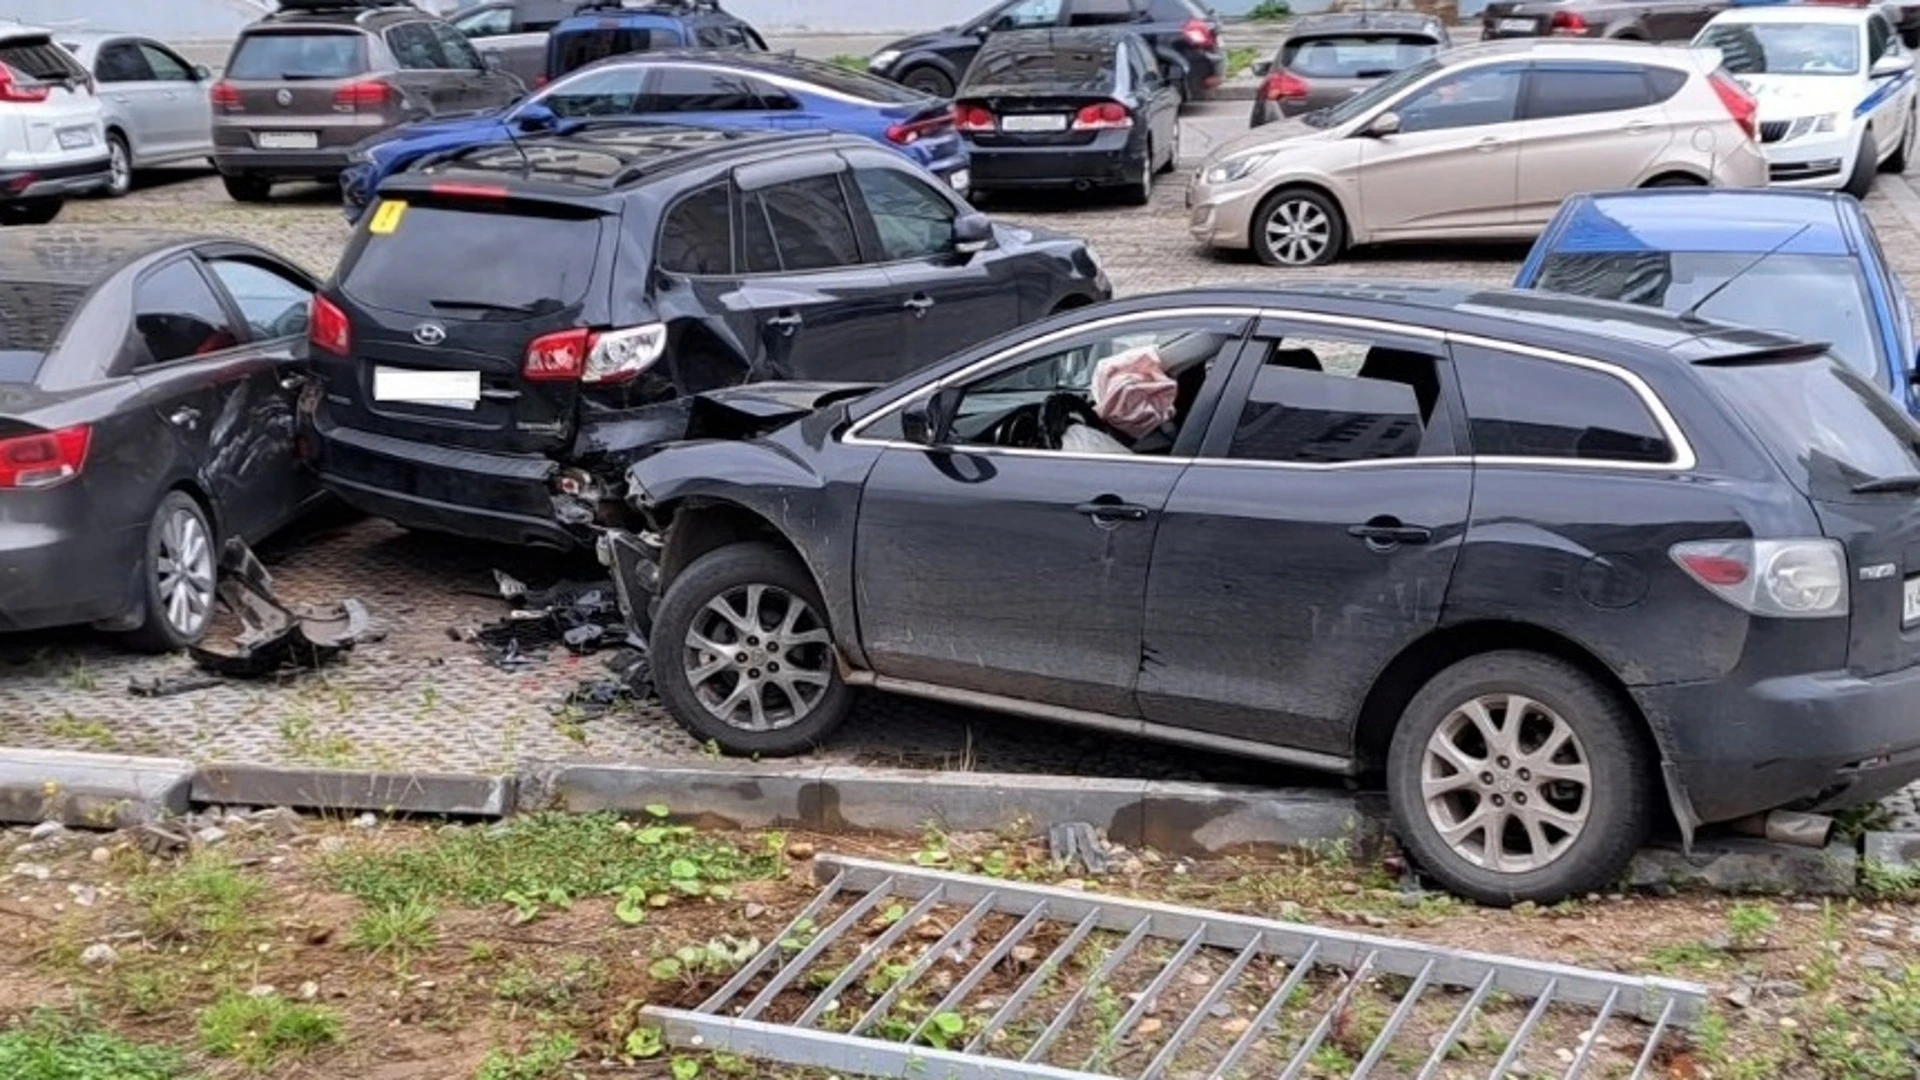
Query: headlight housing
x=883, y=59
x=1237, y=167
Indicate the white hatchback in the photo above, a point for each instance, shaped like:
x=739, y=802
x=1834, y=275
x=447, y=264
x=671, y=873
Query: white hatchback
x=52, y=142
x=1836, y=90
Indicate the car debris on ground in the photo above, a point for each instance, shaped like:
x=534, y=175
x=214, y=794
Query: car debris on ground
x=275, y=636
x=582, y=618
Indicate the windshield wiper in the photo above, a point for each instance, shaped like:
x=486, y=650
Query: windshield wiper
x=484, y=305
x=1885, y=484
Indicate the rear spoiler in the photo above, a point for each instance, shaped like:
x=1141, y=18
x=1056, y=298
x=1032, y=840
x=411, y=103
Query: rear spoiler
x=1779, y=354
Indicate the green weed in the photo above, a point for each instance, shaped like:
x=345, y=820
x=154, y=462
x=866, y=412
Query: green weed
x=545, y=1060
x=206, y=899
x=61, y=1046
x=1271, y=11
x=400, y=929
x=1748, y=924
x=263, y=1031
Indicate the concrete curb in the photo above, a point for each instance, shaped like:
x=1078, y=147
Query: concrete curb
x=237, y=784
x=101, y=791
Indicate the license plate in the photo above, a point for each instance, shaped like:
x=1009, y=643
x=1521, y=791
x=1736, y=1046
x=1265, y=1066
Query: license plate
x=1910, y=606
x=1043, y=122
x=447, y=389
x=74, y=138
x=1516, y=26
x=289, y=140
x=961, y=180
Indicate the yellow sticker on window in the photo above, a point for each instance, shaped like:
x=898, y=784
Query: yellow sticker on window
x=387, y=218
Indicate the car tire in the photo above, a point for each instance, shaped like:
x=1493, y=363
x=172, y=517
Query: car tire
x=1673, y=181
x=928, y=80
x=177, y=577
x=1310, y=231
x=1860, y=181
x=248, y=189
x=1897, y=161
x=718, y=601
x=1140, y=192
x=1173, y=154
x=1568, y=721
x=119, y=167
x=30, y=211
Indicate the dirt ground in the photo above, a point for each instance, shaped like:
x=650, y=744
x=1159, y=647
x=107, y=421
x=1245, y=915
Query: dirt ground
x=303, y=948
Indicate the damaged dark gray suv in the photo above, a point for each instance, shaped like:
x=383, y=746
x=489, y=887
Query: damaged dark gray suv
x=512, y=326
x=1554, y=568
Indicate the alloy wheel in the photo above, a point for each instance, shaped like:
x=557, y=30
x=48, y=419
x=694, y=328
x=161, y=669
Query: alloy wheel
x=183, y=572
x=1507, y=783
x=119, y=167
x=758, y=658
x=1298, y=232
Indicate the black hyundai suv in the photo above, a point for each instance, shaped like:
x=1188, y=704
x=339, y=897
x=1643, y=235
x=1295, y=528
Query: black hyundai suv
x=511, y=326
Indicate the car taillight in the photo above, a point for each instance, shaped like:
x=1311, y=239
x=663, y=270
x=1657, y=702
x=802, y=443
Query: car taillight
x=1107, y=114
x=1786, y=579
x=914, y=130
x=327, y=327
x=18, y=89
x=225, y=96
x=1284, y=86
x=973, y=118
x=1740, y=104
x=599, y=357
x=44, y=459
x=1199, y=33
x=365, y=94
x=1567, y=23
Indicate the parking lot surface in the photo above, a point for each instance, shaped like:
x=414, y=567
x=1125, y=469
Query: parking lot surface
x=421, y=699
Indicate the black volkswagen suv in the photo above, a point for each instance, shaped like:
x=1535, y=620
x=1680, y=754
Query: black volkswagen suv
x=511, y=326
x=1555, y=568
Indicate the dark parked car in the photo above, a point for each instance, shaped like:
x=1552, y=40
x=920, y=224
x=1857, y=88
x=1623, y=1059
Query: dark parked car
x=147, y=386
x=609, y=29
x=1326, y=59
x=514, y=33
x=510, y=327
x=1068, y=108
x=1555, y=567
x=1183, y=34
x=1631, y=20
x=305, y=84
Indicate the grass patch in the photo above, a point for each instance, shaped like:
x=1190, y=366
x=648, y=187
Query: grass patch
x=1271, y=11
x=850, y=62
x=399, y=928
x=60, y=1046
x=545, y=1060
x=1240, y=58
x=1876, y=1037
x=204, y=900
x=263, y=1031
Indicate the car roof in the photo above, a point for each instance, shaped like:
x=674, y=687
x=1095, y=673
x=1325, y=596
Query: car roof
x=1796, y=13
x=1392, y=22
x=1076, y=37
x=16, y=29
x=81, y=255
x=95, y=37
x=347, y=13
x=597, y=159
x=1566, y=49
x=1705, y=220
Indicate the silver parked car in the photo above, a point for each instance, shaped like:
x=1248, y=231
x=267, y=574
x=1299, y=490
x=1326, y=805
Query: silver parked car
x=155, y=104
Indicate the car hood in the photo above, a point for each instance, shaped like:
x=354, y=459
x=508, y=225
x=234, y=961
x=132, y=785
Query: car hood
x=1282, y=136
x=932, y=39
x=445, y=131
x=1783, y=97
x=742, y=412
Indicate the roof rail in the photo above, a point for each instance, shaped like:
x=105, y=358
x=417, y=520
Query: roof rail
x=646, y=5
x=340, y=5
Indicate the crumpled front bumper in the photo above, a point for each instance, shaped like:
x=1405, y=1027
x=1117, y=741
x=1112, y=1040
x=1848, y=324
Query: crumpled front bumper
x=633, y=559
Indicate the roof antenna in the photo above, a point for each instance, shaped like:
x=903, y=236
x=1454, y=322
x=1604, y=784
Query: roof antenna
x=1692, y=314
x=526, y=163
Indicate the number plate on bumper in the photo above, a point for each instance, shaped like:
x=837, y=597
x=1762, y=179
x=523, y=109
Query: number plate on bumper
x=1910, y=602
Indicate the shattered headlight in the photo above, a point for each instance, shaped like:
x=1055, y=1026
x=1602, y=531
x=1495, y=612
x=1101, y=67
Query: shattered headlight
x=1237, y=167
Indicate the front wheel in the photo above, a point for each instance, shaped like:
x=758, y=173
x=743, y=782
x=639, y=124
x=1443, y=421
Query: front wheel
x=1860, y=181
x=1516, y=777
x=1897, y=162
x=1297, y=227
x=929, y=80
x=743, y=656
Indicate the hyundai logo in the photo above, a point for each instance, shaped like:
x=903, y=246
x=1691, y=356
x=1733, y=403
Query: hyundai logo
x=429, y=333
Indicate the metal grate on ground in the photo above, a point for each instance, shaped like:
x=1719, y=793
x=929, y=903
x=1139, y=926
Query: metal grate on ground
x=896, y=971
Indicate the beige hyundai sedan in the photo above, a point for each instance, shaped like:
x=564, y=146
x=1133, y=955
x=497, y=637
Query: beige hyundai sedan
x=1482, y=142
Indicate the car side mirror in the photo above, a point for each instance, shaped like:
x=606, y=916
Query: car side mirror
x=536, y=117
x=1261, y=68
x=1387, y=123
x=201, y=73
x=1888, y=66
x=972, y=233
x=928, y=421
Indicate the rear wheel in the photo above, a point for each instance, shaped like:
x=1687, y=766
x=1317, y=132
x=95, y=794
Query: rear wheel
x=177, y=578
x=1140, y=192
x=928, y=80
x=1673, y=181
x=30, y=211
x=119, y=166
x=1860, y=180
x=248, y=189
x=1515, y=776
x=1297, y=227
x=1173, y=152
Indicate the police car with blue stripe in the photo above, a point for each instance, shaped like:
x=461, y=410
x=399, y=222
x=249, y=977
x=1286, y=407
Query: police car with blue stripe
x=1835, y=85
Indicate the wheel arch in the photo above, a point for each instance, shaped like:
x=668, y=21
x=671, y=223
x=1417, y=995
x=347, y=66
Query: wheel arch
x=697, y=526
x=1674, y=177
x=914, y=60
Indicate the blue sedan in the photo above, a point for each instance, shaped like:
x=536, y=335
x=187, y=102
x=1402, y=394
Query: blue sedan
x=728, y=89
x=1805, y=263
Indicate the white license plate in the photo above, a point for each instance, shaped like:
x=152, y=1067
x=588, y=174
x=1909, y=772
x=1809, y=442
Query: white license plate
x=1517, y=26
x=447, y=389
x=1910, y=606
x=289, y=140
x=961, y=180
x=1042, y=122
x=74, y=138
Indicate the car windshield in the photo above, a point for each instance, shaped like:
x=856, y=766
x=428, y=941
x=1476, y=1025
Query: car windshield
x=1373, y=96
x=307, y=54
x=1830, y=428
x=33, y=315
x=1829, y=301
x=1044, y=66
x=576, y=49
x=440, y=260
x=1355, y=56
x=1784, y=48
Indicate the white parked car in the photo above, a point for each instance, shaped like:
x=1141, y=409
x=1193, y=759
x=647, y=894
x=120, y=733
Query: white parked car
x=52, y=143
x=154, y=103
x=1835, y=85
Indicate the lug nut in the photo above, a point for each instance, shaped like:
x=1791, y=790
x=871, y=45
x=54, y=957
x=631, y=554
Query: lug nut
x=753, y=673
x=1499, y=801
x=753, y=641
x=1485, y=777
x=741, y=659
x=1503, y=763
x=1520, y=797
x=771, y=668
x=1526, y=774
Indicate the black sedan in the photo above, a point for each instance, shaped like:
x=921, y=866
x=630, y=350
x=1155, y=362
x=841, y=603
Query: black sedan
x=1078, y=109
x=147, y=392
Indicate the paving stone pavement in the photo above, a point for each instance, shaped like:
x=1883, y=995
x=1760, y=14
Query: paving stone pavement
x=421, y=700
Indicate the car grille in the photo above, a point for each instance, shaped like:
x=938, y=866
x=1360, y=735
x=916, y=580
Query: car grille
x=1774, y=130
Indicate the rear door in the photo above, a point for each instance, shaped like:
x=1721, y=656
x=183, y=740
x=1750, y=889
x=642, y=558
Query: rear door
x=1589, y=126
x=480, y=86
x=127, y=83
x=1454, y=163
x=426, y=73
x=445, y=295
x=186, y=114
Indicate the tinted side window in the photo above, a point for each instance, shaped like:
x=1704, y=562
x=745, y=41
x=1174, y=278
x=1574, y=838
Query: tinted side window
x=1488, y=95
x=613, y=92
x=121, y=64
x=1026, y=15
x=415, y=46
x=808, y=224
x=1666, y=82
x=1879, y=39
x=489, y=23
x=455, y=48
x=583, y=47
x=273, y=304
x=1101, y=12
x=1326, y=400
x=697, y=235
x=176, y=315
x=1525, y=407
x=1553, y=92
x=679, y=89
x=710, y=37
x=165, y=66
x=914, y=221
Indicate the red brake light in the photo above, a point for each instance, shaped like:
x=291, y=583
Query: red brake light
x=44, y=459
x=1567, y=23
x=1714, y=569
x=1740, y=104
x=914, y=130
x=558, y=357
x=973, y=118
x=327, y=327
x=452, y=189
x=1107, y=114
x=1198, y=32
x=365, y=94
x=1284, y=86
x=225, y=96
x=597, y=357
x=13, y=88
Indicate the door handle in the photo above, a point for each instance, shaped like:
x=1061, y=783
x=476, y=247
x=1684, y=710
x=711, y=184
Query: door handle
x=1639, y=127
x=185, y=416
x=1386, y=532
x=1487, y=145
x=1109, y=508
x=788, y=323
x=918, y=304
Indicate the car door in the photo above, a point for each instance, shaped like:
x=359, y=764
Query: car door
x=424, y=72
x=950, y=299
x=480, y=85
x=820, y=308
x=1454, y=162
x=1891, y=94
x=1313, y=538
x=1587, y=126
x=127, y=85
x=1160, y=100
x=989, y=564
x=184, y=122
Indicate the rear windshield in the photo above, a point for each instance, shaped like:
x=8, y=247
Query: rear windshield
x=577, y=49
x=475, y=263
x=1826, y=296
x=1366, y=100
x=32, y=317
x=1026, y=66
x=39, y=58
x=1354, y=56
x=302, y=54
x=1830, y=428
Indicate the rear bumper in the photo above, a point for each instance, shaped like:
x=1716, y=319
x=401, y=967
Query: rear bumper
x=1819, y=740
x=315, y=164
x=1110, y=159
x=54, y=181
x=62, y=575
